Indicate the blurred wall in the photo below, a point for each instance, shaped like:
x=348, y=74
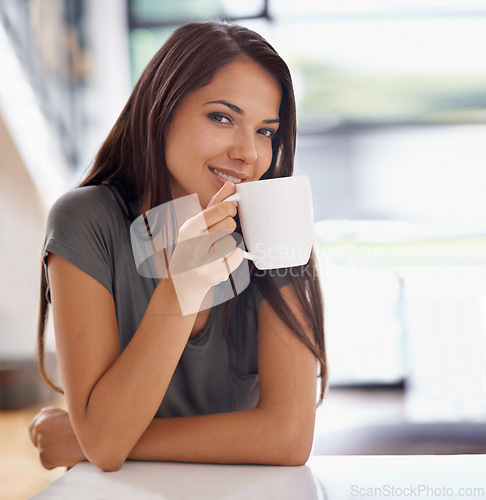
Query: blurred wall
x=34, y=167
x=22, y=224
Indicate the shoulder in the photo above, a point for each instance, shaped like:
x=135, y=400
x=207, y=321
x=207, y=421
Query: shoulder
x=84, y=227
x=86, y=219
x=94, y=206
x=85, y=200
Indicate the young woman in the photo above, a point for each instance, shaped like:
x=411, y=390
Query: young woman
x=232, y=384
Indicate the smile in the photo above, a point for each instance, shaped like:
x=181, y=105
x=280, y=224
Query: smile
x=234, y=180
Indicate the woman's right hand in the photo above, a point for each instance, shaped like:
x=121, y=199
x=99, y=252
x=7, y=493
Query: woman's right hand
x=205, y=253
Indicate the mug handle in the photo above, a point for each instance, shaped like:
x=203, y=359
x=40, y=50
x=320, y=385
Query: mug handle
x=237, y=197
x=233, y=197
x=248, y=255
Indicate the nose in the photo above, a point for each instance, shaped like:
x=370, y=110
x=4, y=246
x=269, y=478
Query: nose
x=243, y=148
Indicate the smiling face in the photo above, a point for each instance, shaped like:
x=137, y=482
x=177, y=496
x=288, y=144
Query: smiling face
x=223, y=131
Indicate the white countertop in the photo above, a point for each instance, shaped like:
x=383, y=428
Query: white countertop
x=323, y=477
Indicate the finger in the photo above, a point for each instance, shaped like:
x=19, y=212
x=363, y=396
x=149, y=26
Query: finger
x=219, y=270
x=45, y=459
x=200, y=223
x=227, y=190
x=202, y=250
x=50, y=409
x=216, y=213
x=234, y=259
x=34, y=438
x=31, y=424
x=222, y=229
x=32, y=430
x=224, y=247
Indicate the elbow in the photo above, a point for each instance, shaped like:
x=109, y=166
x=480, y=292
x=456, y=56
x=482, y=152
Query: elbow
x=293, y=444
x=110, y=465
x=102, y=448
x=106, y=463
x=297, y=459
x=288, y=436
x=103, y=456
x=296, y=456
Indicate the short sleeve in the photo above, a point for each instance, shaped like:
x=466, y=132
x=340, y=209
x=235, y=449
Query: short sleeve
x=79, y=229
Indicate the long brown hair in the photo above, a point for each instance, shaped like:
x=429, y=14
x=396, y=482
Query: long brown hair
x=133, y=155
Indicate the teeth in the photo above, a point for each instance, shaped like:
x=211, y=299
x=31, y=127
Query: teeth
x=234, y=180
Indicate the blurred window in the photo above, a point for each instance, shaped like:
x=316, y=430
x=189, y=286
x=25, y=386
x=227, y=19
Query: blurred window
x=363, y=63
x=151, y=22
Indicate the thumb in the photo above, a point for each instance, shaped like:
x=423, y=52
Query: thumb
x=227, y=190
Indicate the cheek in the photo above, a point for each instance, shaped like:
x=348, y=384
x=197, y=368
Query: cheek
x=265, y=156
x=182, y=148
x=173, y=145
x=202, y=145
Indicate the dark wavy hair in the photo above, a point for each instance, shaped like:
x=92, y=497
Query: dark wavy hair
x=132, y=158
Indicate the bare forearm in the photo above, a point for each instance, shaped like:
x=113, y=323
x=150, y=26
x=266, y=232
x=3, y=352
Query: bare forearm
x=250, y=436
x=123, y=402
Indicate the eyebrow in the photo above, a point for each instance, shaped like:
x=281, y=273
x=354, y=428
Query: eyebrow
x=238, y=110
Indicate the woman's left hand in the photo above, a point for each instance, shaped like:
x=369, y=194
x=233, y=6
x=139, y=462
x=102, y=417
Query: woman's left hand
x=51, y=431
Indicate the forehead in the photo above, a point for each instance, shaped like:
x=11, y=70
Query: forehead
x=245, y=84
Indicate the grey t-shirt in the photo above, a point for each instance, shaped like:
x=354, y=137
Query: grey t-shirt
x=88, y=227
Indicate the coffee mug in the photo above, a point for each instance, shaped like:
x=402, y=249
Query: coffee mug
x=277, y=221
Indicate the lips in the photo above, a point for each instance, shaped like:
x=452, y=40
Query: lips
x=229, y=174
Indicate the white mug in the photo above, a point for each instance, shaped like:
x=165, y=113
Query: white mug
x=277, y=221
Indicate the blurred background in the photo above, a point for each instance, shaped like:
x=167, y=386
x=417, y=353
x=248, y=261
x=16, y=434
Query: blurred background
x=391, y=103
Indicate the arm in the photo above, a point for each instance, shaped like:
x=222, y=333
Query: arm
x=278, y=431
x=112, y=397
x=107, y=407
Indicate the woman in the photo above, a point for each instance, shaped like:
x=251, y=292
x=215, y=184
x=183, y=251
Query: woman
x=231, y=384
